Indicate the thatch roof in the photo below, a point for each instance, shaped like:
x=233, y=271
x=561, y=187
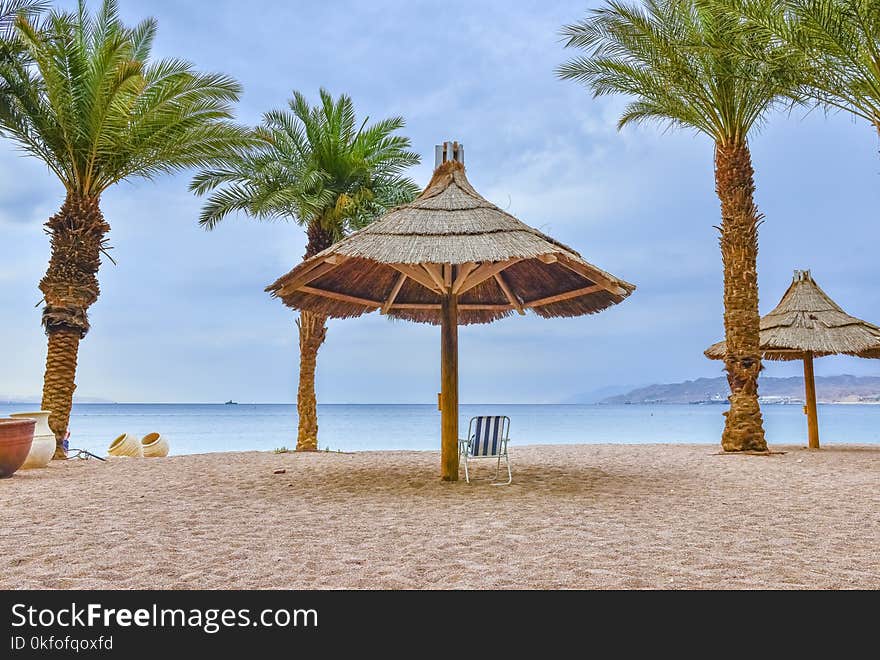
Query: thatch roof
x=808, y=320
x=449, y=237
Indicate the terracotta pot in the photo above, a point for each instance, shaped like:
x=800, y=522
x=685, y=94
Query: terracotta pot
x=16, y=436
x=154, y=445
x=126, y=445
x=43, y=446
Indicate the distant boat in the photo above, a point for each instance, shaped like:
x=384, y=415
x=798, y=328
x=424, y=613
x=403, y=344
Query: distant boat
x=231, y=403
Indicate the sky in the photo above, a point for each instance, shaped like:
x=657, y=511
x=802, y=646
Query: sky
x=183, y=317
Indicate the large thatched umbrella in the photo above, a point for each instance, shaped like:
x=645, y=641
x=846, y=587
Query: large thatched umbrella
x=450, y=257
x=806, y=324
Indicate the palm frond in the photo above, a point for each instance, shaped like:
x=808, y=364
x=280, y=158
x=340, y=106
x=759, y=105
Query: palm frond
x=837, y=42
x=677, y=60
x=10, y=10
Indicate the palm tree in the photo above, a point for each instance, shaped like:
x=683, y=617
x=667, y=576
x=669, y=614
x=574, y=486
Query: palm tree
x=838, y=42
x=677, y=59
x=318, y=167
x=96, y=111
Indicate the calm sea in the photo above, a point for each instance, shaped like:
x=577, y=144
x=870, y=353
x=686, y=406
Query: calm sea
x=198, y=428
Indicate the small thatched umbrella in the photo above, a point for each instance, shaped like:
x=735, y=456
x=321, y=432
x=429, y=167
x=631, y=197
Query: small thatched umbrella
x=450, y=257
x=806, y=324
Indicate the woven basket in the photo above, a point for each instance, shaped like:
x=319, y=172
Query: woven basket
x=126, y=445
x=154, y=445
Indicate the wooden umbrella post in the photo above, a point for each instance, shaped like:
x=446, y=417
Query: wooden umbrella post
x=449, y=388
x=810, y=408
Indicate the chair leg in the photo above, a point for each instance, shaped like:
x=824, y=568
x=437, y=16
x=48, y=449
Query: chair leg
x=467, y=477
x=509, y=473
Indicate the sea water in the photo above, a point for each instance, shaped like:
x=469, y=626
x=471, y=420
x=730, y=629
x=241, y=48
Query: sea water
x=199, y=428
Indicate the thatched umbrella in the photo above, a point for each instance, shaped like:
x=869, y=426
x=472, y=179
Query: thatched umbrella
x=806, y=324
x=450, y=257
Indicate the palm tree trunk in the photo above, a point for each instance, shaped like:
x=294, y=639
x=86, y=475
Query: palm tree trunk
x=734, y=183
x=77, y=234
x=312, y=332
x=59, y=383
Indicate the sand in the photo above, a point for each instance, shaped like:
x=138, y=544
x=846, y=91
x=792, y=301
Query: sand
x=587, y=516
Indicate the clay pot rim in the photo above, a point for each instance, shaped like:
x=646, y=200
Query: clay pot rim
x=19, y=415
x=149, y=443
x=8, y=421
x=118, y=440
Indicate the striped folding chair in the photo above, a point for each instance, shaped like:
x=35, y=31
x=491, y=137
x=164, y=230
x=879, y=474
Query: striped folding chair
x=487, y=438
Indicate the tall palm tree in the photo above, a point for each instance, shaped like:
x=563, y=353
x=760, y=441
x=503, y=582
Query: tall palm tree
x=838, y=42
x=96, y=111
x=675, y=57
x=320, y=168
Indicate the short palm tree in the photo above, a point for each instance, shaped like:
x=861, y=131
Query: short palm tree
x=320, y=168
x=675, y=59
x=96, y=111
x=838, y=42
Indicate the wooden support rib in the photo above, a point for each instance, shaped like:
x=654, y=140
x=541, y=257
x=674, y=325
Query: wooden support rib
x=418, y=274
x=394, y=291
x=559, y=297
x=436, y=274
x=548, y=258
x=411, y=306
x=509, y=294
x=484, y=308
x=593, y=275
x=311, y=274
x=461, y=306
x=344, y=297
x=447, y=276
x=464, y=270
x=484, y=272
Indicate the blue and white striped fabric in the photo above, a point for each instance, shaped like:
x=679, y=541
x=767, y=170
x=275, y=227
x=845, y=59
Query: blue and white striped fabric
x=488, y=436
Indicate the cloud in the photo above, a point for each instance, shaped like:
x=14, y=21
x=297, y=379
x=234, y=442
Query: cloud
x=183, y=316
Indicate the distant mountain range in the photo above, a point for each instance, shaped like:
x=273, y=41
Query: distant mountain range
x=829, y=389
x=598, y=395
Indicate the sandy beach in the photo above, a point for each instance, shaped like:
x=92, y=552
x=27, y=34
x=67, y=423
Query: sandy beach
x=584, y=516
